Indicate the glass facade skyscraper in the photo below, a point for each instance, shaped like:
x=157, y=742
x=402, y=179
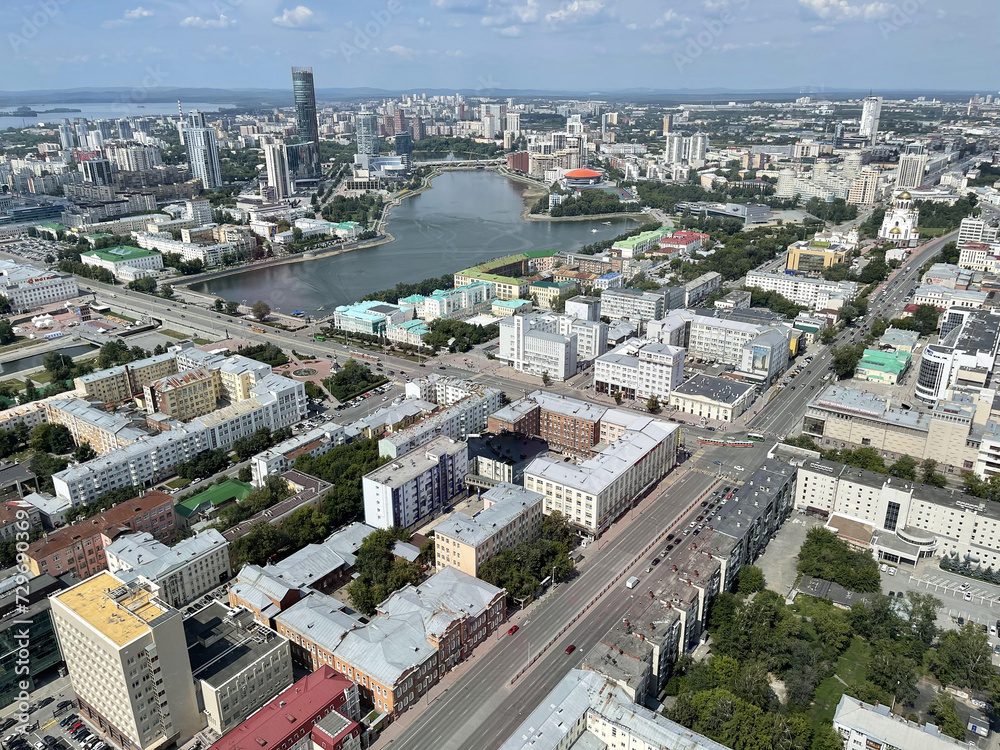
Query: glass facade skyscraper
x=306, y=123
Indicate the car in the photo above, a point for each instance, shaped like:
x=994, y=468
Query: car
x=63, y=704
x=710, y=429
x=442, y=367
x=671, y=536
x=968, y=596
x=739, y=468
x=884, y=567
x=892, y=594
x=422, y=364
x=7, y=724
x=513, y=629
x=961, y=621
x=892, y=571
x=656, y=561
x=570, y=649
x=45, y=701
x=39, y=745
x=963, y=587
x=49, y=739
x=692, y=524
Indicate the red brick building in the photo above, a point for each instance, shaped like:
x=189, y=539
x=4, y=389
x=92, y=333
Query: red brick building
x=79, y=548
x=321, y=710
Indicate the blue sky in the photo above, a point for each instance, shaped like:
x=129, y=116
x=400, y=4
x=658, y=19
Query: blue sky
x=584, y=45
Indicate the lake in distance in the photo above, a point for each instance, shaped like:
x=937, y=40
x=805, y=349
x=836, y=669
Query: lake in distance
x=464, y=219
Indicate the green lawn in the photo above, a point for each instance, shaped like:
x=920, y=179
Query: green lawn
x=930, y=232
x=851, y=667
x=122, y=316
x=201, y=341
x=173, y=334
x=42, y=376
x=178, y=483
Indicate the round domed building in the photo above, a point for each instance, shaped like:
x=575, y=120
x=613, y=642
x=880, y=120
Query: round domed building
x=582, y=178
x=899, y=227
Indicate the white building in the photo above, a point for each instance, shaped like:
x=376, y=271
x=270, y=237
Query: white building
x=532, y=344
x=281, y=457
x=632, y=305
x=125, y=652
x=178, y=574
x=279, y=178
x=910, y=173
x=123, y=261
x=900, y=223
x=203, y=156
x=639, y=369
x=818, y=294
x=415, y=485
x=976, y=230
x=597, y=491
x=209, y=255
x=871, y=111
x=28, y=288
x=870, y=727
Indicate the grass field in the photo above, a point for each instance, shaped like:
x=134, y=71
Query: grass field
x=177, y=483
x=851, y=668
x=173, y=334
x=200, y=341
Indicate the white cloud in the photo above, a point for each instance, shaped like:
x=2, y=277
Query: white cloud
x=510, y=31
x=459, y=6
x=454, y=53
x=135, y=14
x=843, y=10
x=632, y=26
x=197, y=22
x=575, y=11
x=299, y=17
x=528, y=13
x=493, y=20
x=406, y=53
x=423, y=22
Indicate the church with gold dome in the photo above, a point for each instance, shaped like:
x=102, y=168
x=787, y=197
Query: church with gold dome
x=899, y=227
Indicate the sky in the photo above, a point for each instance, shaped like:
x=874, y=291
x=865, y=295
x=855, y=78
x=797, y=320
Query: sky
x=568, y=45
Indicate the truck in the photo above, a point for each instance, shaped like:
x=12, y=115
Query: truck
x=632, y=582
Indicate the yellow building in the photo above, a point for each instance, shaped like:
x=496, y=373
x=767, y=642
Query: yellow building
x=510, y=515
x=804, y=257
x=186, y=395
x=238, y=375
x=110, y=386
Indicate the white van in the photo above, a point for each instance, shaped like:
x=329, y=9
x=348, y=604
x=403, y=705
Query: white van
x=632, y=582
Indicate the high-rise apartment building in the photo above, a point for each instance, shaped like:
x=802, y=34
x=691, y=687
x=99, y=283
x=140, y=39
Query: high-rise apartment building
x=912, y=165
x=65, y=135
x=121, y=646
x=278, y=176
x=306, y=122
x=366, y=127
x=203, y=156
x=871, y=110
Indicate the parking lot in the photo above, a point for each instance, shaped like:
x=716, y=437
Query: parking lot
x=50, y=704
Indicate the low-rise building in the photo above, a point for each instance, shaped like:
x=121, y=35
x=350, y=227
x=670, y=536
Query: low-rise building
x=178, y=574
x=566, y=424
x=943, y=297
x=415, y=485
x=882, y=367
x=28, y=288
x=709, y=397
x=510, y=515
x=863, y=725
x=818, y=294
x=124, y=260
x=184, y=396
x=281, y=457
x=315, y=625
x=899, y=340
x=237, y=664
x=697, y=290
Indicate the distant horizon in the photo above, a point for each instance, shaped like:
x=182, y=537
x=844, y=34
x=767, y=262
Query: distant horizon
x=585, y=46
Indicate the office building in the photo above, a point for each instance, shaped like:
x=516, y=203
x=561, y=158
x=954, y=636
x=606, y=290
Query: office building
x=178, y=574
x=415, y=485
x=366, y=127
x=533, y=344
x=697, y=290
x=817, y=294
x=871, y=111
x=203, y=156
x=632, y=305
x=597, y=491
x=115, y=259
x=912, y=166
x=97, y=172
x=510, y=515
x=184, y=396
x=279, y=178
x=964, y=354
x=321, y=710
x=28, y=288
x=709, y=397
x=813, y=256
x=306, y=122
x=566, y=424
x=238, y=664
x=639, y=369
x=882, y=367
x=121, y=644
x=974, y=229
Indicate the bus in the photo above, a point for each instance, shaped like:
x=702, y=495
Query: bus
x=255, y=329
x=755, y=436
x=321, y=338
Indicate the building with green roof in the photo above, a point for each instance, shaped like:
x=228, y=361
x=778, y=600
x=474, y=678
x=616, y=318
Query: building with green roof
x=124, y=260
x=640, y=243
x=882, y=367
x=208, y=502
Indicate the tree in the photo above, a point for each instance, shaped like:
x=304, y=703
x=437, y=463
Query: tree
x=653, y=404
x=930, y=475
x=846, y=358
x=146, y=285
x=167, y=291
x=51, y=438
x=304, y=526
x=218, y=305
x=260, y=310
x=825, y=556
x=942, y=707
x=557, y=528
x=245, y=474
x=7, y=335
x=262, y=542
x=964, y=658
x=84, y=453
x=546, y=380
x=232, y=307
x=828, y=335
x=905, y=467
x=749, y=580
x=618, y=397
x=925, y=319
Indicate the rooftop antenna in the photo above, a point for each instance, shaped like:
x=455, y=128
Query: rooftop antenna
x=180, y=111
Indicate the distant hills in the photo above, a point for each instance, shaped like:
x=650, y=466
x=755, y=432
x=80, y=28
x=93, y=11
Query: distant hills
x=283, y=97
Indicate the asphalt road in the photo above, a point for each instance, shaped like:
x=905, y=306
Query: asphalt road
x=782, y=415
x=480, y=709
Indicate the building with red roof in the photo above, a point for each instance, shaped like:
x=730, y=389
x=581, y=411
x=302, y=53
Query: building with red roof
x=581, y=178
x=319, y=712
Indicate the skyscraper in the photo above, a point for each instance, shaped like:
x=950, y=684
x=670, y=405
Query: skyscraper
x=366, y=126
x=911, y=167
x=871, y=110
x=66, y=134
x=278, y=176
x=203, y=156
x=306, y=124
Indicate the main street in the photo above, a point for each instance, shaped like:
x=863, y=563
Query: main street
x=480, y=708
x=783, y=414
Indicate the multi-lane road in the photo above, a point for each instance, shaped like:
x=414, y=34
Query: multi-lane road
x=783, y=414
